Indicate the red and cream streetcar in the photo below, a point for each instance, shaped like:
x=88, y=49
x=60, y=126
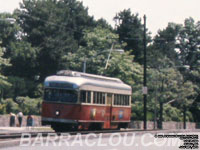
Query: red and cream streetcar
x=75, y=100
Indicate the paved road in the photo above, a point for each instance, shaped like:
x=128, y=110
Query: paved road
x=116, y=141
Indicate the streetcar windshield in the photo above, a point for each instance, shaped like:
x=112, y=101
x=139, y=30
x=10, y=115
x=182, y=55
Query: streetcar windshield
x=60, y=95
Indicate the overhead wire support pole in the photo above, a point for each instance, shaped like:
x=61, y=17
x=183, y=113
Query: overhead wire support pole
x=145, y=75
x=84, y=65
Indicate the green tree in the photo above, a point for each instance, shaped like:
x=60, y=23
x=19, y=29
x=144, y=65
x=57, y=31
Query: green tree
x=103, y=23
x=95, y=52
x=22, y=87
x=137, y=110
x=188, y=48
x=164, y=45
x=131, y=31
x=99, y=41
x=29, y=106
x=3, y=79
x=167, y=85
x=188, y=43
x=168, y=72
x=8, y=29
x=172, y=113
x=55, y=28
x=10, y=106
x=18, y=88
x=23, y=58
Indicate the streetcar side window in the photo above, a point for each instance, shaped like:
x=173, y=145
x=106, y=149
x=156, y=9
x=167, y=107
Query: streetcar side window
x=88, y=97
x=99, y=98
x=104, y=98
x=95, y=97
x=121, y=100
x=85, y=96
x=125, y=100
x=118, y=99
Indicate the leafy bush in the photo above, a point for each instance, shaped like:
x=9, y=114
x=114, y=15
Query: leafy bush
x=137, y=111
x=10, y=106
x=29, y=106
x=22, y=87
x=25, y=104
x=174, y=114
x=2, y=108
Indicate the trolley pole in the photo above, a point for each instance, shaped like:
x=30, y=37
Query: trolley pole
x=145, y=75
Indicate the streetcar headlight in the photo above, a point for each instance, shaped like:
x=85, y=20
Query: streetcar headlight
x=57, y=113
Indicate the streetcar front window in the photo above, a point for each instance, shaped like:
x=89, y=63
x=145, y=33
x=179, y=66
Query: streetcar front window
x=60, y=95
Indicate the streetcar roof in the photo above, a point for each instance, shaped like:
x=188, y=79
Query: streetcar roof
x=85, y=81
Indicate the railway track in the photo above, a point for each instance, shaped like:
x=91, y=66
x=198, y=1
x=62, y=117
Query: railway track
x=14, y=139
x=18, y=135
x=45, y=134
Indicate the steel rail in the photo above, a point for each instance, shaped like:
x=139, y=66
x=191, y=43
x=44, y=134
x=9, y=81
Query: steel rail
x=45, y=134
x=34, y=134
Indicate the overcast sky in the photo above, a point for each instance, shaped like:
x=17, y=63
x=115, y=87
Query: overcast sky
x=158, y=12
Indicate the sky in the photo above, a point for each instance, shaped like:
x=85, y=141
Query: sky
x=158, y=12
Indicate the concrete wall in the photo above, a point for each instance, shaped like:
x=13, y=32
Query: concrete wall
x=166, y=125
x=5, y=119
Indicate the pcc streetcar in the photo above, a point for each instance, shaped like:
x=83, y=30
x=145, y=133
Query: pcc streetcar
x=75, y=100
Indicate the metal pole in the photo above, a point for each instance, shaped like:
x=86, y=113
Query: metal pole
x=144, y=83
x=155, y=109
x=161, y=115
x=184, y=117
x=161, y=107
x=84, y=65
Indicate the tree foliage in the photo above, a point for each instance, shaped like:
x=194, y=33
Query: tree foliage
x=3, y=63
x=23, y=58
x=55, y=28
x=131, y=30
x=188, y=43
x=164, y=45
x=169, y=73
x=99, y=42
